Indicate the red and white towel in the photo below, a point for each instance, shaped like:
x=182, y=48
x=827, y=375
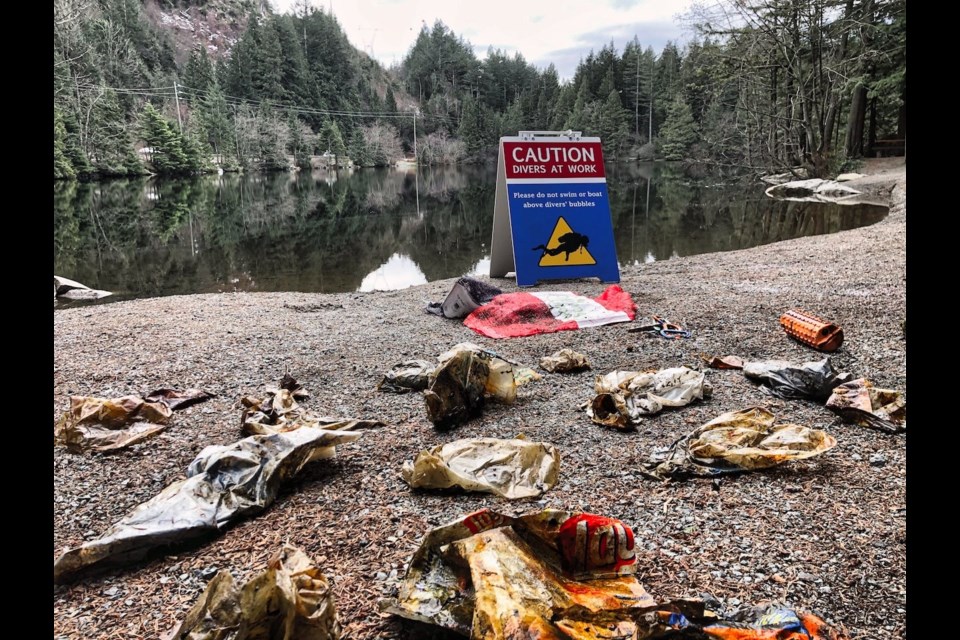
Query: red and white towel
x=514, y=315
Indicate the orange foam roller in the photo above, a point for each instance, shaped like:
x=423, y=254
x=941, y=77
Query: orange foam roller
x=812, y=331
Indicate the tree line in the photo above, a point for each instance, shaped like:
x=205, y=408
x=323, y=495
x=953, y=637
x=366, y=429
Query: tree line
x=764, y=85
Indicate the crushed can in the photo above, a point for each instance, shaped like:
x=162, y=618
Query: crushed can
x=596, y=547
x=811, y=330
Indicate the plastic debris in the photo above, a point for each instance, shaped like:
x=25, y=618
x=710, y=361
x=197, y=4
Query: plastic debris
x=73, y=290
x=406, y=376
x=625, y=397
x=735, y=442
x=523, y=375
x=513, y=315
x=811, y=330
x=663, y=328
x=491, y=576
x=761, y=623
x=509, y=468
x=563, y=361
x=280, y=413
x=290, y=600
x=177, y=400
x=810, y=380
x=224, y=484
x=859, y=402
x=726, y=362
x=466, y=376
x=101, y=424
x=466, y=295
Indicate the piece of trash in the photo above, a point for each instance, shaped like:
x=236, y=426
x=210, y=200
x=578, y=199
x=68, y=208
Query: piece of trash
x=563, y=361
x=812, y=331
x=280, y=413
x=290, y=600
x=466, y=295
x=73, y=290
x=523, y=375
x=459, y=386
x=625, y=397
x=726, y=362
x=178, y=399
x=492, y=576
x=768, y=622
x=859, y=402
x=406, y=376
x=290, y=383
x=514, y=315
x=810, y=380
x=735, y=442
x=102, y=424
x=509, y=468
x=223, y=485
x=663, y=328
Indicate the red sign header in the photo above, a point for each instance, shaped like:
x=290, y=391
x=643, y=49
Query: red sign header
x=553, y=159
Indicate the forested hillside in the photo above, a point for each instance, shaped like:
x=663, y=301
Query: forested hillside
x=173, y=87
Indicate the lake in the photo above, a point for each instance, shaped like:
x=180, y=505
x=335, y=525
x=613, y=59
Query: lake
x=381, y=229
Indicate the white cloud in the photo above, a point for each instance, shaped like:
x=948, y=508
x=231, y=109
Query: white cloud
x=539, y=29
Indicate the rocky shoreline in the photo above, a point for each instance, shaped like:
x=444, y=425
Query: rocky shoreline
x=826, y=534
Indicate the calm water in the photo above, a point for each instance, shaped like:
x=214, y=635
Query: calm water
x=380, y=229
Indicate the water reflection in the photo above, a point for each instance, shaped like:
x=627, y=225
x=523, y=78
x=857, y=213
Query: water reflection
x=398, y=272
x=379, y=229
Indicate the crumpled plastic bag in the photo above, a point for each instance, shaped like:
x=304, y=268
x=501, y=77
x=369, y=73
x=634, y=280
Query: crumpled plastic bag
x=768, y=622
x=177, y=400
x=290, y=600
x=224, y=484
x=459, y=386
x=409, y=375
x=859, y=402
x=466, y=295
x=735, y=442
x=810, y=380
x=280, y=413
x=563, y=361
x=101, y=424
x=624, y=397
x=509, y=468
x=488, y=575
x=726, y=362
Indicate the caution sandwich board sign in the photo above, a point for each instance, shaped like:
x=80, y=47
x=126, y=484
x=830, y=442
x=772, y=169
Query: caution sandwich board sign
x=551, y=217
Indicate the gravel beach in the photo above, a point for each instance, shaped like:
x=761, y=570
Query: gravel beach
x=826, y=535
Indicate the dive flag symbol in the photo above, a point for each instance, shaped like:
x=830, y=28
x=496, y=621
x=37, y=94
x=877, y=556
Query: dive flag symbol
x=566, y=248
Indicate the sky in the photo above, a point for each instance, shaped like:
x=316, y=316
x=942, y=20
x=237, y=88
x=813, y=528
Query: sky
x=543, y=31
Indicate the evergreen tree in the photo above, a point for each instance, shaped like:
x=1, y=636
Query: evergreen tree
x=358, y=149
x=61, y=164
x=613, y=125
x=199, y=74
x=679, y=132
x=332, y=141
x=390, y=101
x=166, y=150
x=471, y=128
